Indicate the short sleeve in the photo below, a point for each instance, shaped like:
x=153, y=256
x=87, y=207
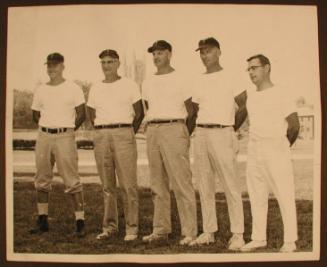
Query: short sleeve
x=186, y=87
x=135, y=92
x=36, y=104
x=91, y=99
x=78, y=96
x=145, y=90
x=288, y=106
x=194, y=90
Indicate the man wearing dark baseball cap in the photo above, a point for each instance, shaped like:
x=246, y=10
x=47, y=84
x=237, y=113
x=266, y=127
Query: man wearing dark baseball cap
x=58, y=108
x=116, y=111
x=208, y=42
x=54, y=58
x=160, y=45
x=213, y=99
x=168, y=143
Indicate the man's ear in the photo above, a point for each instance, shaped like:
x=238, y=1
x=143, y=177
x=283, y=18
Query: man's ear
x=170, y=55
x=218, y=52
x=267, y=68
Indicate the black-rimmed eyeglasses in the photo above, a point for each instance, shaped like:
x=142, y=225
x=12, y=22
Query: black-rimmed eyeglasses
x=253, y=68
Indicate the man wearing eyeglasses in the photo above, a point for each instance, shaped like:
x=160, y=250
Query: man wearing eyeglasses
x=274, y=127
x=116, y=111
x=168, y=143
x=215, y=144
x=59, y=109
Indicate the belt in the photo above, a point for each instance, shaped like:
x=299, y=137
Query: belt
x=111, y=126
x=166, y=121
x=53, y=130
x=212, y=126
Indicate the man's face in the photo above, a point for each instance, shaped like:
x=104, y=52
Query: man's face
x=161, y=57
x=109, y=65
x=257, y=72
x=55, y=70
x=210, y=55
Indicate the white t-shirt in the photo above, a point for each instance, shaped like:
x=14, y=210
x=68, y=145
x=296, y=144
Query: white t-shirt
x=165, y=95
x=57, y=104
x=267, y=112
x=215, y=92
x=113, y=102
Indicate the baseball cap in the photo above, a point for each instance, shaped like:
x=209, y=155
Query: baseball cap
x=210, y=41
x=54, y=58
x=109, y=53
x=160, y=45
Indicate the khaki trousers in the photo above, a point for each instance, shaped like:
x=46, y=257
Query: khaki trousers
x=115, y=153
x=215, y=153
x=168, y=153
x=59, y=148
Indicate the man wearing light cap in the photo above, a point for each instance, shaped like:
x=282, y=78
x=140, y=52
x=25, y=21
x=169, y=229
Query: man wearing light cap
x=168, y=145
x=116, y=111
x=215, y=144
x=58, y=108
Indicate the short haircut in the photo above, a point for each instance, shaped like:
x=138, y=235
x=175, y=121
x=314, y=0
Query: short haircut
x=263, y=59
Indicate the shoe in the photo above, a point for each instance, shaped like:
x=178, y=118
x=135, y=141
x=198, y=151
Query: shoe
x=236, y=242
x=106, y=234
x=130, y=238
x=203, y=239
x=187, y=240
x=42, y=225
x=288, y=247
x=80, y=228
x=155, y=237
x=253, y=245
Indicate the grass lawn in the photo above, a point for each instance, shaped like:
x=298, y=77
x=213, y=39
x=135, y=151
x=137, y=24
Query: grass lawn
x=60, y=239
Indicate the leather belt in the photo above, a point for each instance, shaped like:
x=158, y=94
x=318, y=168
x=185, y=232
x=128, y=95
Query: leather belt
x=111, y=126
x=53, y=130
x=166, y=121
x=212, y=126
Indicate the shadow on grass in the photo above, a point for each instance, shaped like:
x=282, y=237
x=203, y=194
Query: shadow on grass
x=60, y=238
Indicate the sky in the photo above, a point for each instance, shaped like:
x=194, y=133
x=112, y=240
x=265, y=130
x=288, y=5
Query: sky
x=288, y=35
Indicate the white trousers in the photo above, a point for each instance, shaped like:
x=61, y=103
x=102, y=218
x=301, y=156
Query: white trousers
x=269, y=166
x=215, y=155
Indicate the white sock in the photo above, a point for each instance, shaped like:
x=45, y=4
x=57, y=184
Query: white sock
x=79, y=215
x=42, y=208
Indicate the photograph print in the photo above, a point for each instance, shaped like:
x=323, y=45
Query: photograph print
x=163, y=133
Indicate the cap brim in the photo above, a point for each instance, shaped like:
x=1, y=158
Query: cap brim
x=52, y=62
x=150, y=49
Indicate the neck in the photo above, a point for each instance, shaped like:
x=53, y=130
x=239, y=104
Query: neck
x=165, y=70
x=56, y=81
x=111, y=78
x=264, y=85
x=214, y=68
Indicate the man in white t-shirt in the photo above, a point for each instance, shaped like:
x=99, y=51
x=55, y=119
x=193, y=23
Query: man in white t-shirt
x=168, y=145
x=116, y=111
x=215, y=144
x=59, y=109
x=274, y=127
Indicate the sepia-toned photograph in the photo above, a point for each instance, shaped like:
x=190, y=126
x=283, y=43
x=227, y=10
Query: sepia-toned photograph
x=163, y=133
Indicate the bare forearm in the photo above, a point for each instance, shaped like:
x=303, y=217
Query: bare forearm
x=36, y=116
x=240, y=117
x=293, y=127
x=139, y=115
x=292, y=134
x=137, y=123
x=80, y=116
